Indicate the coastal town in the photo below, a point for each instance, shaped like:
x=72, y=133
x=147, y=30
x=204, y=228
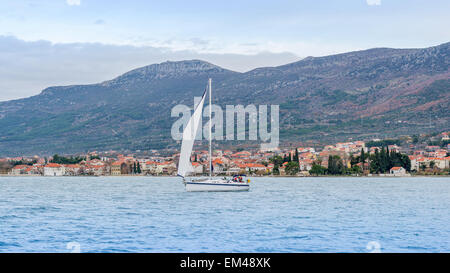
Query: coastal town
x=416, y=155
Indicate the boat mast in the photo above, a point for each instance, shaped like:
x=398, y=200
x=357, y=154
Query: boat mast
x=210, y=136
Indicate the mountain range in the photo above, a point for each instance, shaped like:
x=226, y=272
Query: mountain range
x=375, y=93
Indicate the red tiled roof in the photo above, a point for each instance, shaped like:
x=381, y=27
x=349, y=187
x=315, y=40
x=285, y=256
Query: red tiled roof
x=74, y=166
x=53, y=165
x=217, y=161
x=117, y=163
x=255, y=165
x=18, y=167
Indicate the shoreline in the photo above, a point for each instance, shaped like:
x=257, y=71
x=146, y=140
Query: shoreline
x=264, y=176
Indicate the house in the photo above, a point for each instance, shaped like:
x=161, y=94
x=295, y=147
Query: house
x=73, y=169
x=414, y=162
x=306, y=155
x=218, y=166
x=432, y=148
x=31, y=170
x=198, y=168
x=429, y=162
x=397, y=171
x=54, y=169
x=394, y=148
x=234, y=170
x=439, y=163
x=149, y=166
x=95, y=162
x=255, y=167
x=118, y=168
x=242, y=154
x=447, y=162
x=440, y=153
x=166, y=168
x=282, y=168
x=18, y=170
x=306, y=150
x=329, y=148
x=96, y=170
x=305, y=164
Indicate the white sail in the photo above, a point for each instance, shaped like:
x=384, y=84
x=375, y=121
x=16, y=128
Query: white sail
x=189, y=133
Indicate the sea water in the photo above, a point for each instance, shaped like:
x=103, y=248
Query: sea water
x=155, y=214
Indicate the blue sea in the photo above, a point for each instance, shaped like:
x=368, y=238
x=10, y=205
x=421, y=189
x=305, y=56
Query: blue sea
x=153, y=214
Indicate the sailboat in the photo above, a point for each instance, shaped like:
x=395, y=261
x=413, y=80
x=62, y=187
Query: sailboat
x=184, y=165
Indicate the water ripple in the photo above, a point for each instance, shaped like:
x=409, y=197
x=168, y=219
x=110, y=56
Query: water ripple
x=142, y=214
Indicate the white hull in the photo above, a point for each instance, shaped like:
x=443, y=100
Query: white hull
x=215, y=185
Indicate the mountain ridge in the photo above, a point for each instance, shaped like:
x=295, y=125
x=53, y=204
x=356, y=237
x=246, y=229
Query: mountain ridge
x=349, y=95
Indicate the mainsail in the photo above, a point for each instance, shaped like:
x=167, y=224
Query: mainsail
x=189, y=133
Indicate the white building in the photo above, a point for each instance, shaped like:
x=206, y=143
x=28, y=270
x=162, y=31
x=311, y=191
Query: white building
x=397, y=171
x=198, y=168
x=53, y=169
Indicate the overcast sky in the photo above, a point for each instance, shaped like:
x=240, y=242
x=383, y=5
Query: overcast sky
x=61, y=42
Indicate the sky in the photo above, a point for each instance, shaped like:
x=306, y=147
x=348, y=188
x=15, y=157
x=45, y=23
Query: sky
x=62, y=42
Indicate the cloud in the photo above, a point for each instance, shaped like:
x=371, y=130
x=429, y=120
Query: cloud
x=73, y=2
x=30, y=66
x=373, y=2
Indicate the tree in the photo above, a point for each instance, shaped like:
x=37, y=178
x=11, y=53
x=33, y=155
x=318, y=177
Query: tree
x=422, y=167
x=276, y=170
x=432, y=164
x=406, y=163
x=292, y=168
x=388, y=160
x=383, y=161
x=139, y=168
x=22, y=162
x=317, y=170
x=134, y=168
x=277, y=160
x=335, y=165
x=362, y=158
x=355, y=169
x=287, y=158
x=66, y=160
x=296, y=155
x=354, y=160
x=340, y=166
x=330, y=164
x=375, y=162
